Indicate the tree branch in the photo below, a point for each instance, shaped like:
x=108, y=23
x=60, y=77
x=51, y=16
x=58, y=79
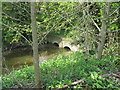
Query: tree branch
x=94, y=22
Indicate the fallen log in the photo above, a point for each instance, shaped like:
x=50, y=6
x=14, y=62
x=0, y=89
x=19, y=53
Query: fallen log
x=82, y=80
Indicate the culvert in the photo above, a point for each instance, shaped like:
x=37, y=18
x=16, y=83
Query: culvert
x=56, y=44
x=67, y=48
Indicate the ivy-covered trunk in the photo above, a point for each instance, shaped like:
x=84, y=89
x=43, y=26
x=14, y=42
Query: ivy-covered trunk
x=35, y=46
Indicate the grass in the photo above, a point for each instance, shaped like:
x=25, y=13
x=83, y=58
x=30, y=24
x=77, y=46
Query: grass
x=64, y=70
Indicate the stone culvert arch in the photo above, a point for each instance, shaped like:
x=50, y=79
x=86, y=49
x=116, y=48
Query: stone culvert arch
x=56, y=44
x=62, y=42
x=67, y=48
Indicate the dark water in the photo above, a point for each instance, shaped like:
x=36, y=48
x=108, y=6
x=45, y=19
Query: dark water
x=19, y=57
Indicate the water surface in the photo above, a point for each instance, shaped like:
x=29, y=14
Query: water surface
x=19, y=57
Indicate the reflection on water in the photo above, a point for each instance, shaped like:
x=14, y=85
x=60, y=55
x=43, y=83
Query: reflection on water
x=16, y=58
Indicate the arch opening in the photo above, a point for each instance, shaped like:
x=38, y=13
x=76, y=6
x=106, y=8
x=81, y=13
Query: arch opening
x=67, y=48
x=56, y=44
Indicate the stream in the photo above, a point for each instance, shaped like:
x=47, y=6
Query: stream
x=17, y=58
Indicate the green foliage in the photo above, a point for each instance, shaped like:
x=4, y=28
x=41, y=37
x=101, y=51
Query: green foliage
x=16, y=18
x=64, y=70
x=96, y=81
x=58, y=15
x=22, y=77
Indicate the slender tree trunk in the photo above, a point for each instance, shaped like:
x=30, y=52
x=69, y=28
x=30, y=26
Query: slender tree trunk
x=35, y=45
x=0, y=43
x=86, y=32
x=103, y=31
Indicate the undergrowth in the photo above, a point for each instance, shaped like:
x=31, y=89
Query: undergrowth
x=64, y=70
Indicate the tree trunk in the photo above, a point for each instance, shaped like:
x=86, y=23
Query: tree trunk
x=35, y=46
x=86, y=32
x=103, y=32
x=0, y=43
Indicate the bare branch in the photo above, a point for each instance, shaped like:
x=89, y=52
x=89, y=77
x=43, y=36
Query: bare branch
x=94, y=22
x=114, y=11
x=21, y=8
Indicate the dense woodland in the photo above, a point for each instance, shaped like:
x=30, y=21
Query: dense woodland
x=93, y=26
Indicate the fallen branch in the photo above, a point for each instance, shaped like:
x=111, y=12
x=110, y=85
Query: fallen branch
x=73, y=84
x=82, y=80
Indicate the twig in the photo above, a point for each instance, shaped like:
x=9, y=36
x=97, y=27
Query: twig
x=114, y=11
